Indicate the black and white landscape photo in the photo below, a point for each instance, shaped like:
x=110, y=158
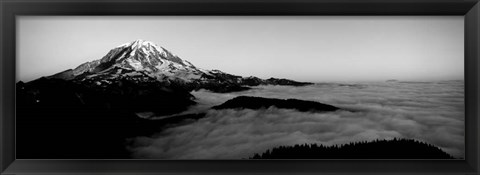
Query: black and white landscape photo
x=231, y=87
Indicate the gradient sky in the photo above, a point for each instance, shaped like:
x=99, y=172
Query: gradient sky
x=315, y=48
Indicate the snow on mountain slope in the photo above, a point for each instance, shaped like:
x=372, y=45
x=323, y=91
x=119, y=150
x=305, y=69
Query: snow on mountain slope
x=143, y=61
x=143, y=56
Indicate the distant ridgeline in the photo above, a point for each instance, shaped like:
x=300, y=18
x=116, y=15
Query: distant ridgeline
x=242, y=102
x=378, y=149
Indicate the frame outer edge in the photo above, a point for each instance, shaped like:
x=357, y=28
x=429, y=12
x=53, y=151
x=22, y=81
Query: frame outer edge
x=3, y=165
x=477, y=44
x=7, y=56
x=472, y=79
x=2, y=168
x=472, y=52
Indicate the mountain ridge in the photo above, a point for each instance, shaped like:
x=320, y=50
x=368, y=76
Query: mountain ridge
x=400, y=148
x=250, y=102
x=142, y=60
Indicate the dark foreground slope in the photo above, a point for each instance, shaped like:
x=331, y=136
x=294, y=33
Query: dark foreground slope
x=61, y=119
x=379, y=149
x=247, y=102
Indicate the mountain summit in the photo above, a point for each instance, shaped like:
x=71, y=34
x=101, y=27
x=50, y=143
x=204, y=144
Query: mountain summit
x=142, y=61
x=141, y=56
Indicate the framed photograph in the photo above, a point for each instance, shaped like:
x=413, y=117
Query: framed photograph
x=190, y=87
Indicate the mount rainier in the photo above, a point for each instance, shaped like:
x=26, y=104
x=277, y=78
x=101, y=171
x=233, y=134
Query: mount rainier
x=142, y=61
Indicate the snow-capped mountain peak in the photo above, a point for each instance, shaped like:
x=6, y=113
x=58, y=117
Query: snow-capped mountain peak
x=143, y=61
x=144, y=56
x=138, y=42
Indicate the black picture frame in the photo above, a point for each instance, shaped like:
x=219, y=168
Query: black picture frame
x=470, y=9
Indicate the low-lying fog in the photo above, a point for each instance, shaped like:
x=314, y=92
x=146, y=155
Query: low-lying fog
x=431, y=112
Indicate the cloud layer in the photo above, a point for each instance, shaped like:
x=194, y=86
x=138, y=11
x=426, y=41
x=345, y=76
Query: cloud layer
x=431, y=112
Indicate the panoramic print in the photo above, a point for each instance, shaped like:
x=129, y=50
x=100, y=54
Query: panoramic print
x=190, y=87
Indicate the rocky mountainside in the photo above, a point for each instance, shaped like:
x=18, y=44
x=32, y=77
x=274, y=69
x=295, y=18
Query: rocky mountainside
x=144, y=61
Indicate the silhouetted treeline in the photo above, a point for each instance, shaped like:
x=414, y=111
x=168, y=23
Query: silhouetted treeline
x=260, y=102
x=378, y=149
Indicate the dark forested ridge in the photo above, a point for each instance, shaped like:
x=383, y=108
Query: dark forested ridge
x=92, y=118
x=57, y=118
x=378, y=149
x=242, y=102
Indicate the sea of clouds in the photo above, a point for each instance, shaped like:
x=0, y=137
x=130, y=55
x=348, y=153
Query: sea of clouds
x=432, y=112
